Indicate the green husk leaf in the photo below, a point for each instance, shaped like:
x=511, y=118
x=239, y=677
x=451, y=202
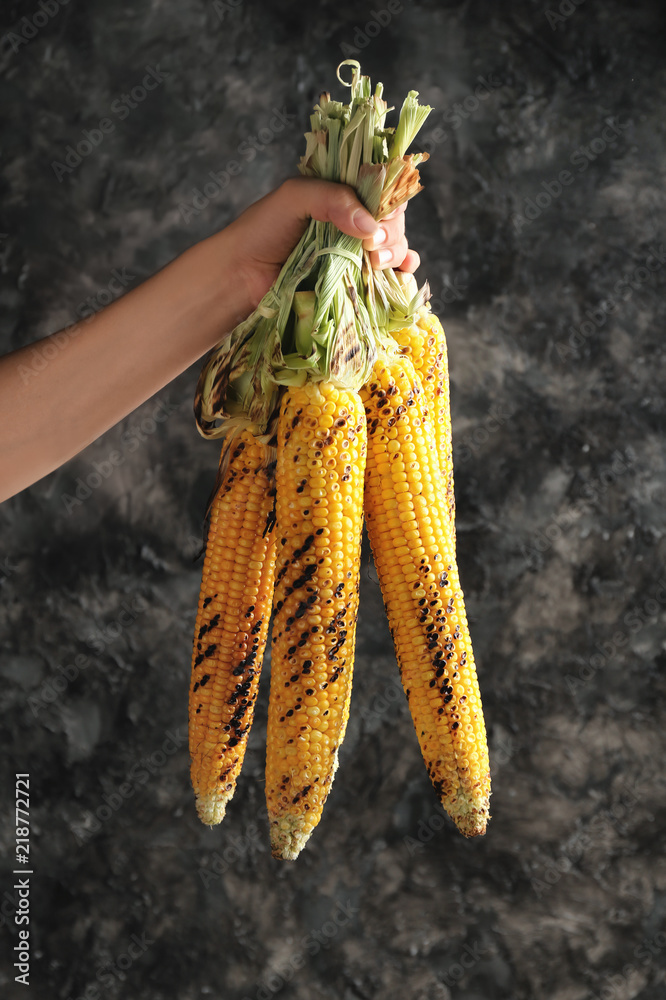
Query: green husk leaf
x=329, y=311
x=412, y=117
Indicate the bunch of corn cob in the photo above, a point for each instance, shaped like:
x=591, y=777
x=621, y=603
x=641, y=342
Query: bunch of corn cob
x=332, y=401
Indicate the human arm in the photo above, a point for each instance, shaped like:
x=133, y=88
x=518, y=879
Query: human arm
x=108, y=365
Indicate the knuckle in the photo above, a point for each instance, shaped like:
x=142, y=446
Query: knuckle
x=291, y=185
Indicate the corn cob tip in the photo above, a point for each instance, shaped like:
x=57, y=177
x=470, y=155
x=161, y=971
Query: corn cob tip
x=288, y=837
x=469, y=812
x=211, y=809
x=291, y=832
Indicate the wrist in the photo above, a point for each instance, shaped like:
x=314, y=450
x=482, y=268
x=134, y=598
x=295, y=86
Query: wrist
x=218, y=288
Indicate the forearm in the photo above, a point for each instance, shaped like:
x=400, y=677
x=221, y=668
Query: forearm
x=113, y=362
x=103, y=368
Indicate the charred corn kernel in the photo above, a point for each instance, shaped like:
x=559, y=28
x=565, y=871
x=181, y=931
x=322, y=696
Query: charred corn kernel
x=423, y=598
x=425, y=344
x=316, y=605
x=232, y=624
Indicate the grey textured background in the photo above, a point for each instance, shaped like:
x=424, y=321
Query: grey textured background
x=559, y=485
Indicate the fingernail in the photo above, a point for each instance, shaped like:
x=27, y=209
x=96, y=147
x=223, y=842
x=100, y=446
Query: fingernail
x=384, y=256
x=364, y=221
x=380, y=236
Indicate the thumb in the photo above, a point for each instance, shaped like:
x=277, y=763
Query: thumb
x=329, y=201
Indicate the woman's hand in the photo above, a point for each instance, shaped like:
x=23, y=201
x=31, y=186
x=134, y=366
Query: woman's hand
x=266, y=232
x=105, y=366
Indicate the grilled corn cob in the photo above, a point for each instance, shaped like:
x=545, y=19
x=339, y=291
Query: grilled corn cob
x=319, y=510
x=315, y=338
x=232, y=623
x=424, y=342
x=412, y=543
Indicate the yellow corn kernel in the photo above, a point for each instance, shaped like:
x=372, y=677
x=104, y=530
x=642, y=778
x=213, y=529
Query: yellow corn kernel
x=423, y=598
x=232, y=625
x=424, y=342
x=316, y=605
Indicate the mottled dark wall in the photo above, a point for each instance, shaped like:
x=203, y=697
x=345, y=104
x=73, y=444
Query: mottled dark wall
x=559, y=451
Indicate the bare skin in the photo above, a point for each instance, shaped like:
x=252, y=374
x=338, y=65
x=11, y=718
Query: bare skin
x=106, y=366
